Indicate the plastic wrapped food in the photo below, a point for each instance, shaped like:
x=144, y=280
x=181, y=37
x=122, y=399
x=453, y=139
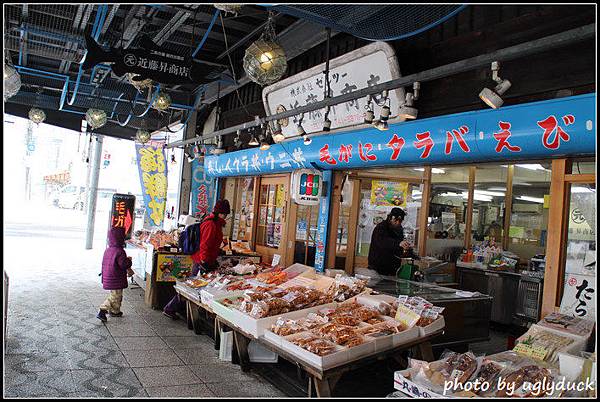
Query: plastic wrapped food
x=346, y=320
x=532, y=374
x=365, y=313
x=546, y=340
x=304, y=339
x=354, y=341
x=320, y=347
x=375, y=320
x=344, y=287
x=454, y=366
x=286, y=327
x=256, y=296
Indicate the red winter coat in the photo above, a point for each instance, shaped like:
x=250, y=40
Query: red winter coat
x=115, y=262
x=211, y=237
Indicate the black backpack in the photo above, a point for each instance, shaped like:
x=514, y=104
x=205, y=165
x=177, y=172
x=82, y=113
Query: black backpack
x=189, y=239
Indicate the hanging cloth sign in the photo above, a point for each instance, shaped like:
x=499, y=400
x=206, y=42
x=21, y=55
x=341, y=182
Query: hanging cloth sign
x=203, y=190
x=152, y=167
x=149, y=61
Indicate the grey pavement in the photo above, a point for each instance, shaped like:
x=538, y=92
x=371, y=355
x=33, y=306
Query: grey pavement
x=55, y=347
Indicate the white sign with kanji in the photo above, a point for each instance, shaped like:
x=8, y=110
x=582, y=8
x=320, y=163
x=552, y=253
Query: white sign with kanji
x=371, y=65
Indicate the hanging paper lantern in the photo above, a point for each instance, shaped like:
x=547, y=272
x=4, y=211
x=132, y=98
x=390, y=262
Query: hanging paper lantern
x=162, y=101
x=229, y=8
x=96, y=118
x=265, y=62
x=142, y=136
x=12, y=81
x=37, y=115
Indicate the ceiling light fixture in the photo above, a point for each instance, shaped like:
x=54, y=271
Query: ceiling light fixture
x=229, y=7
x=326, y=121
x=219, y=150
x=142, y=136
x=493, y=97
x=277, y=132
x=12, y=81
x=369, y=114
x=533, y=166
x=384, y=115
x=237, y=141
x=96, y=118
x=162, y=101
x=381, y=125
x=264, y=60
x=407, y=110
x=37, y=115
x=531, y=199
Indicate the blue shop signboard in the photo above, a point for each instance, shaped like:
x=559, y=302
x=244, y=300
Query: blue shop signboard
x=546, y=129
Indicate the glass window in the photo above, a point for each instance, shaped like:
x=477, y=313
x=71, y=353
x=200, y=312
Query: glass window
x=529, y=213
x=341, y=241
x=580, y=268
x=583, y=166
x=229, y=193
x=377, y=198
x=243, y=214
x=447, y=210
x=270, y=223
x=306, y=234
x=489, y=203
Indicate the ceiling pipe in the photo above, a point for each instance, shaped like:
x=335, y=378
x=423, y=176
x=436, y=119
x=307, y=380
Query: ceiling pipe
x=509, y=53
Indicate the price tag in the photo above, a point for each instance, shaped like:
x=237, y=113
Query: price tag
x=538, y=352
x=406, y=316
x=276, y=259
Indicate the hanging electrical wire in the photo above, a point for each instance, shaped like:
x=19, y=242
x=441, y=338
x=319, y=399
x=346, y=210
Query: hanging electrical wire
x=232, y=69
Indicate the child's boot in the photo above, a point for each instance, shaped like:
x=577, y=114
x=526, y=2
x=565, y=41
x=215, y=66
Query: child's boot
x=119, y=314
x=102, y=315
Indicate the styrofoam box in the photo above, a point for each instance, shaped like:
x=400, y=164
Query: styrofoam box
x=226, y=345
x=408, y=387
x=579, y=342
x=373, y=300
x=257, y=327
x=435, y=326
x=260, y=354
x=340, y=356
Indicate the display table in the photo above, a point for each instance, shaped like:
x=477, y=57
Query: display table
x=199, y=316
x=324, y=380
x=467, y=318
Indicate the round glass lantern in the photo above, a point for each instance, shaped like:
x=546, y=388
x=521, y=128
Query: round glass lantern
x=96, y=118
x=142, y=136
x=37, y=115
x=229, y=7
x=12, y=81
x=162, y=101
x=265, y=62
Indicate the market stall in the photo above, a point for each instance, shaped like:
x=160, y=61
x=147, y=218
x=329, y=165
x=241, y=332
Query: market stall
x=550, y=360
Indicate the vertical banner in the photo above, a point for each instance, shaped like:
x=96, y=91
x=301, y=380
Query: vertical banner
x=152, y=166
x=323, y=223
x=122, y=213
x=203, y=190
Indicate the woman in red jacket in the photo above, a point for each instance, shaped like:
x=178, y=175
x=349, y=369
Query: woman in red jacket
x=205, y=259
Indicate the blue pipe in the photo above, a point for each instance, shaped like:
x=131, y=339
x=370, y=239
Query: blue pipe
x=63, y=95
x=104, y=11
x=35, y=70
x=80, y=73
x=212, y=22
x=115, y=107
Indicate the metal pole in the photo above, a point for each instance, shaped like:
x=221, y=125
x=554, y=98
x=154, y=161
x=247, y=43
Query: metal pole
x=93, y=194
x=185, y=185
x=509, y=53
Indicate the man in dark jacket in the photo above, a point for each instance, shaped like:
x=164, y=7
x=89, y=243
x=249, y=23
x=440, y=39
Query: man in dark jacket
x=388, y=244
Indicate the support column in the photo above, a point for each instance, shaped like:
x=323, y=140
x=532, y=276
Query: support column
x=185, y=185
x=93, y=193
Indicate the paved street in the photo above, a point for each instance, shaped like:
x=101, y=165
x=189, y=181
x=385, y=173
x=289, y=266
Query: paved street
x=55, y=346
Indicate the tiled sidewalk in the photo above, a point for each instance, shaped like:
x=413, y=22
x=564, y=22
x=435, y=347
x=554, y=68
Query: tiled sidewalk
x=57, y=348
